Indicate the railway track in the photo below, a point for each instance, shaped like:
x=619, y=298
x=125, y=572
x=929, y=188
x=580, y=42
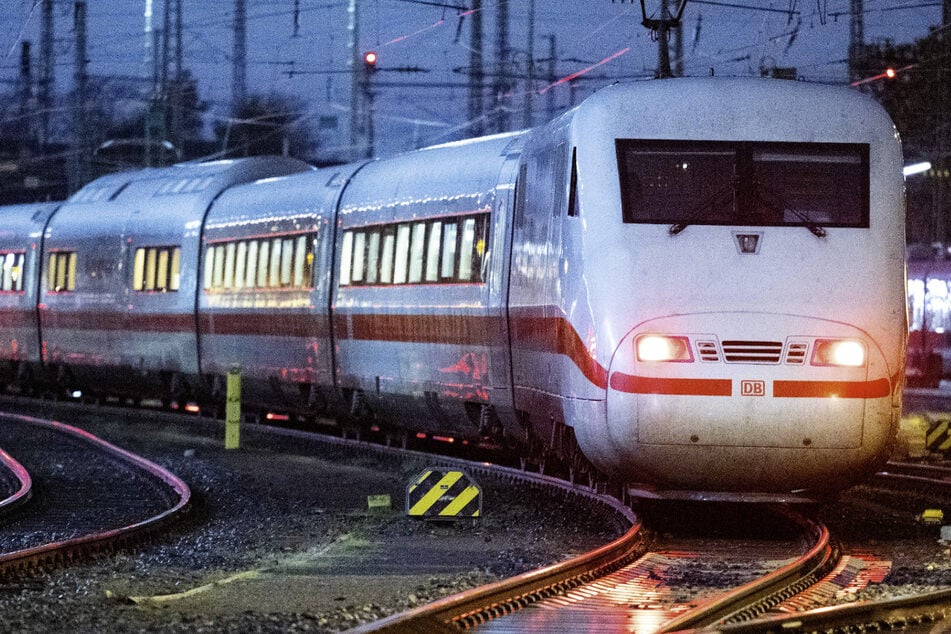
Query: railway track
x=632, y=583
x=85, y=495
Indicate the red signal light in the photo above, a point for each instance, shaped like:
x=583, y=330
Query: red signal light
x=370, y=58
x=890, y=73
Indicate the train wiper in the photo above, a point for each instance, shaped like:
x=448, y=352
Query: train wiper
x=782, y=207
x=700, y=211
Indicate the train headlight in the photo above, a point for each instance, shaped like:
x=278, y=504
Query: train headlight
x=839, y=352
x=663, y=348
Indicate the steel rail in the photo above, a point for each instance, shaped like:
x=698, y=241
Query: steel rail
x=891, y=614
x=757, y=597
x=24, y=483
x=469, y=608
x=47, y=555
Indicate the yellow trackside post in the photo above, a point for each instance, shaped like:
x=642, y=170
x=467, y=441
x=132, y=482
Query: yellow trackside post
x=233, y=409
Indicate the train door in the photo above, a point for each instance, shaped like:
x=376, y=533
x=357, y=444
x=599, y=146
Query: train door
x=502, y=413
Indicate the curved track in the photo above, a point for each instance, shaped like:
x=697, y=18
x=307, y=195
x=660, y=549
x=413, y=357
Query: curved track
x=612, y=587
x=88, y=495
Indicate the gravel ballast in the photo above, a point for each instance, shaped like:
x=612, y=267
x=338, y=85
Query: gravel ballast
x=282, y=539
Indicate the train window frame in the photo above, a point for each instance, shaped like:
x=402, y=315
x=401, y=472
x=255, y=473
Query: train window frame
x=13, y=271
x=61, y=271
x=157, y=269
x=282, y=261
x=449, y=249
x=737, y=196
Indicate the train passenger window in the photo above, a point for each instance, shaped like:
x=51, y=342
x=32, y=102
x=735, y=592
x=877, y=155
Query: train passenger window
x=12, y=279
x=209, y=266
x=346, y=258
x=161, y=273
x=158, y=269
x=465, y=249
x=813, y=185
x=416, y=253
x=442, y=250
x=450, y=233
x=402, y=254
x=274, y=267
x=432, y=252
x=264, y=256
x=229, y=265
x=150, y=264
x=287, y=261
x=386, y=259
x=359, y=257
x=61, y=271
x=373, y=256
x=251, y=274
x=302, y=260
x=218, y=277
x=240, y=264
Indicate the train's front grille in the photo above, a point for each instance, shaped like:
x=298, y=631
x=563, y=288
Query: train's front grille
x=752, y=351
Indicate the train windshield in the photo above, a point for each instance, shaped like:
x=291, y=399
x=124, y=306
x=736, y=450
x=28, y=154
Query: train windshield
x=813, y=185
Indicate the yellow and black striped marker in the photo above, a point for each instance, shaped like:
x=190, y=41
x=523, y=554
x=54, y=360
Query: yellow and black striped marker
x=939, y=433
x=443, y=494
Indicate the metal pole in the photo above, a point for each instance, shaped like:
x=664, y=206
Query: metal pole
x=501, y=83
x=530, y=71
x=663, y=47
x=240, y=59
x=475, y=70
x=80, y=131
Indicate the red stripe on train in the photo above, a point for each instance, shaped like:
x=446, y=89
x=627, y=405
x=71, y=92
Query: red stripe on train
x=681, y=387
x=831, y=389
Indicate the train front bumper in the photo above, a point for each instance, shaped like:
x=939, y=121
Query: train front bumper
x=747, y=405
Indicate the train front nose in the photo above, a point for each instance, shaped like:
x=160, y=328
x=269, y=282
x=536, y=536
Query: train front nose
x=747, y=401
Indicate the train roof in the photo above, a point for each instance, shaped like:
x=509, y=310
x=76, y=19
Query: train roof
x=433, y=177
x=709, y=108
x=21, y=221
x=184, y=178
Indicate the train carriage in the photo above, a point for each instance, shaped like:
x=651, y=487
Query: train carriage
x=119, y=277
x=21, y=239
x=263, y=300
x=419, y=295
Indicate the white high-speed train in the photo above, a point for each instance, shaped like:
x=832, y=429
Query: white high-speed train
x=695, y=286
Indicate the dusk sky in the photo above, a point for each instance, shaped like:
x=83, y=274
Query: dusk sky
x=310, y=59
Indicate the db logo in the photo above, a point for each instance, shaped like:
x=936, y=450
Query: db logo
x=753, y=388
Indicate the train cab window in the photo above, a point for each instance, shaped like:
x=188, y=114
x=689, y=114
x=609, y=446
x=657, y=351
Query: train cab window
x=61, y=271
x=156, y=269
x=12, y=277
x=744, y=183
